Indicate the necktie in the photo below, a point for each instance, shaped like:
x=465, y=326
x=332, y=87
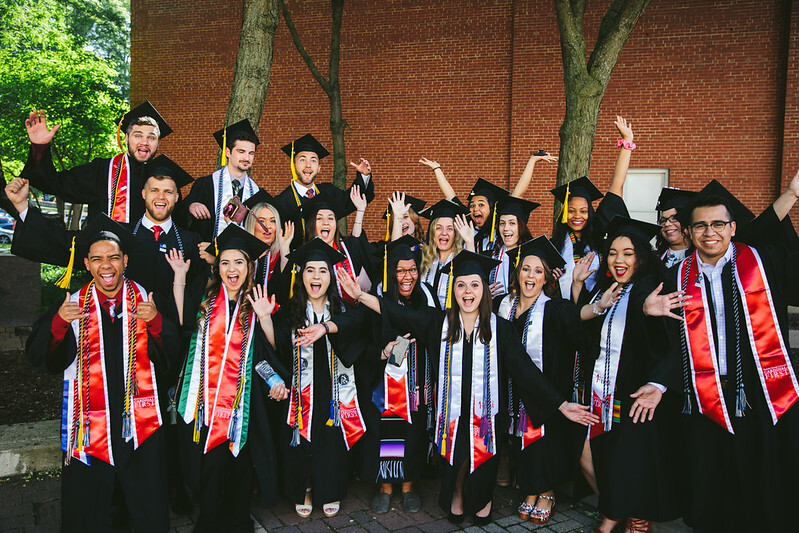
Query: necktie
x=236, y=188
x=111, y=306
x=157, y=232
x=310, y=193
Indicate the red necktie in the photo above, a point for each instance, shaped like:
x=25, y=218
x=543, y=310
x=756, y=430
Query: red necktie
x=157, y=232
x=110, y=306
x=310, y=193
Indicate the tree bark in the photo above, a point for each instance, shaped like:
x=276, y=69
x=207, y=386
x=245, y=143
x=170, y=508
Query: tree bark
x=585, y=81
x=253, y=63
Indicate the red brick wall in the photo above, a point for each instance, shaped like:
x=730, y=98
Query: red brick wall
x=477, y=85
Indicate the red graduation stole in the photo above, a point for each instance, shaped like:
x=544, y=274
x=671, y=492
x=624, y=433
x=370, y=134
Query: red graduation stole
x=396, y=396
x=119, y=189
x=771, y=356
x=347, y=264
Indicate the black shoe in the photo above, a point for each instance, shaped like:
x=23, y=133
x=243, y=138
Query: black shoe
x=381, y=502
x=411, y=502
x=482, y=520
x=456, y=519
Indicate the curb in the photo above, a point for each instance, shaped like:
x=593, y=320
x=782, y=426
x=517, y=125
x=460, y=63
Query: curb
x=29, y=447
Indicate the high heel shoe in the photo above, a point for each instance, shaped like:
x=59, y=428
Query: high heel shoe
x=456, y=519
x=541, y=516
x=482, y=520
x=525, y=510
x=638, y=525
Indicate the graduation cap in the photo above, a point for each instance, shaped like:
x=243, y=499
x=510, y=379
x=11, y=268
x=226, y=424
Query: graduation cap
x=673, y=198
x=467, y=263
x=233, y=237
x=416, y=204
x=540, y=247
x=582, y=187
x=142, y=110
x=639, y=228
x=100, y=228
x=306, y=143
x=242, y=126
x=516, y=206
x=740, y=213
x=443, y=208
x=316, y=250
x=485, y=188
x=403, y=249
x=165, y=167
x=322, y=200
x=260, y=197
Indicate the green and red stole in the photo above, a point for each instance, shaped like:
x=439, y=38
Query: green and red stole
x=119, y=188
x=774, y=368
x=86, y=424
x=215, y=392
x=484, y=395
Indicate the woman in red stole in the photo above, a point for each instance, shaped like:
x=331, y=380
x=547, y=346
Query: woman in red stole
x=221, y=398
x=630, y=456
x=472, y=363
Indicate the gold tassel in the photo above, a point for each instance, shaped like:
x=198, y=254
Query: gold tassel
x=224, y=146
x=388, y=224
x=293, y=170
x=449, y=284
x=565, y=216
x=291, y=287
x=385, y=269
x=119, y=133
x=216, y=248
x=518, y=255
x=66, y=278
x=493, y=224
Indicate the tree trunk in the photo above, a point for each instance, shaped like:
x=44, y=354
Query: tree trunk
x=253, y=63
x=333, y=90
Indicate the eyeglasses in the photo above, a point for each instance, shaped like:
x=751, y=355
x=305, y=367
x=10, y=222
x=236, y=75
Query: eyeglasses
x=402, y=272
x=716, y=225
x=672, y=219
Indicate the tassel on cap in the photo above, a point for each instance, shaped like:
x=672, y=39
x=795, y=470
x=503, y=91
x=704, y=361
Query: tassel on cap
x=293, y=170
x=449, y=284
x=119, y=133
x=518, y=256
x=493, y=224
x=66, y=277
x=385, y=268
x=293, y=277
x=388, y=224
x=224, y=146
x=565, y=216
x=216, y=247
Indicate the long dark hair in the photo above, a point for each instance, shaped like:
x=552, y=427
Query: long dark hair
x=646, y=260
x=524, y=234
x=586, y=240
x=484, y=314
x=310, y=230
x=297, y=305
x=214, y=286
x=551, y=287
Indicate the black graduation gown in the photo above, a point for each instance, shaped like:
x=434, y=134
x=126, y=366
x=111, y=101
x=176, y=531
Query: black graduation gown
x=324, y=463
x=83, y=184
x=528, y=382
x=202, y=191
x=636, y=464
x=86, y=491
x=549, y=461
x=746, y=481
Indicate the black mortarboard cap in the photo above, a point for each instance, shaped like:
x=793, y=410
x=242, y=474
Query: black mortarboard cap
x=582, y=187
x=242, y=125
x=516, y=206
x=310, y=207
x=102, y=228
x=145, y=110
x=672, y=198
x=234, y=237
x=416, y=204
x=306, y=143
x=316, y=250
x=467, y=263
x=740, y=213
x=619, y=224
x=404, y=248
x=485, y=188
x=164, y=166
x=260, y=197
x=443, y=208
x=541, y=247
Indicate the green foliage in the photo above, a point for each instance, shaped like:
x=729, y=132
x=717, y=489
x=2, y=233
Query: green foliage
x=50, y=292
x=56, y=56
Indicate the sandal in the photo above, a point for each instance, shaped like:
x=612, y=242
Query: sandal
x=525, y=510
x=541, y=516
x=331, y=509
x=638, y=525
x=304, y=510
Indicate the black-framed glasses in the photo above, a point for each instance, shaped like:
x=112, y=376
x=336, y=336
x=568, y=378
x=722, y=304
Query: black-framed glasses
x=402, y=272
x=673, y=219
x=716, y=225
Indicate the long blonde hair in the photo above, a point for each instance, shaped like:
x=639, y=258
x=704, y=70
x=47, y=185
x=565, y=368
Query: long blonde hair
x=430, y=250
x=252, y=220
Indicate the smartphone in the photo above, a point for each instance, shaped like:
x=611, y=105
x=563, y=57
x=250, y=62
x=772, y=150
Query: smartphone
x=398, y=351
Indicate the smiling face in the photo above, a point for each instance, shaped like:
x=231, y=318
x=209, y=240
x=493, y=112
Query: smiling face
x=307, y=166
x=468, y=291
x=577, y=215
x=142, y=141
x=712, y=244
x=480, y=210
x=532, y=277
x=622, y=260
x=316, y=279
x=160, y=196
x=233, y=271
x=444, y=234
x=408, y=227
x=106, y=263
x=326, y=225
x=509, y=230
x=267, y=218
x=407, y=276
x=670, y=228
x=241, y=155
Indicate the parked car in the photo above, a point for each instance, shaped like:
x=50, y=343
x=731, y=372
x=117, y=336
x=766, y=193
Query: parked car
x=6, y=235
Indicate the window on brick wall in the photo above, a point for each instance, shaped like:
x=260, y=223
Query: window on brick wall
x=641, y=191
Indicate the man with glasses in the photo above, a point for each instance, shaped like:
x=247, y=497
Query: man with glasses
x=738, y=378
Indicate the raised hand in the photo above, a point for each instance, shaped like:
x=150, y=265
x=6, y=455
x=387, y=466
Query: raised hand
x=36, y=124
x=175, y=259
x=205, y=256
x=548, y=158
x=146, y=310
x=285, y=236
x=793, y=186
x=398, y=205
x=362, y=166
x=358, y=200
x=624, y=127
x=657, y=304
x=465, y=229
x=70, y=310
x=647, y=398
x=495, y=288
x=580, y=414
x=610, y=296
x=17, y=191
x=429, y=163
x=557, y=273
x=347, y=284
x=582, y=270
x=262, y=304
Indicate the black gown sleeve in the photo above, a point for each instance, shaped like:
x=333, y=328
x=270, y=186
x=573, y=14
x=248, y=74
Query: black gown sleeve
x=423, y=324
x=202, y=191
x=42, y=240
x=610, y=206
x=84, y=184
